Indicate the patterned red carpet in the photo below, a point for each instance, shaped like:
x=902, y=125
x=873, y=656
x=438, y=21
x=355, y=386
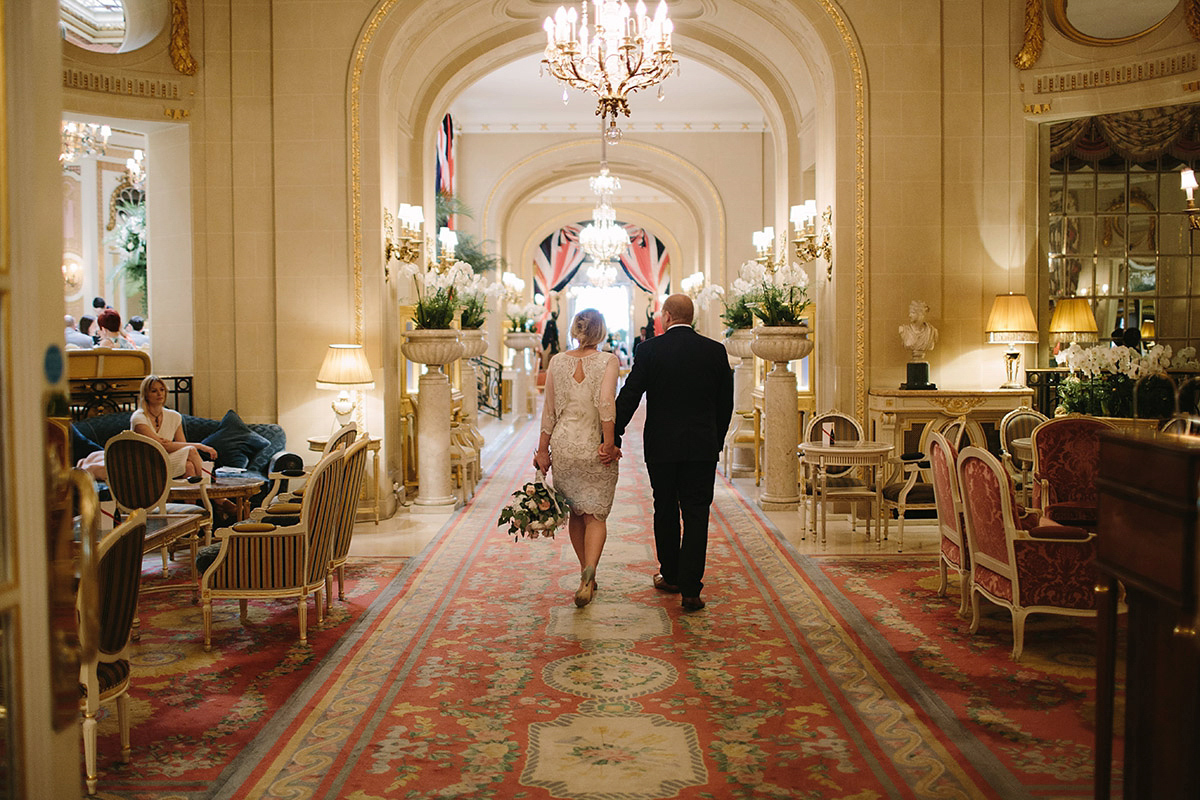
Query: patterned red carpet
x=474, y=675
x=194, y=712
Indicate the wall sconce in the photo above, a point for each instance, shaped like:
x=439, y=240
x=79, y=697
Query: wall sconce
x=1073, y=321
x=447, y=241
x=808, y=248
x=1187, y=182
x=762, y=241
x=405, y=248
x=1011, y=322
x=72, y=276
x=345, y=368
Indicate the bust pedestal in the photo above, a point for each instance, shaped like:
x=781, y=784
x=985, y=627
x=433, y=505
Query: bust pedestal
x=917, y=376
x=474, y=344
x=519, y=342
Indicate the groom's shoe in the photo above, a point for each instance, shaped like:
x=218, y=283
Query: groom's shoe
x=661, y=584
x=692, y=604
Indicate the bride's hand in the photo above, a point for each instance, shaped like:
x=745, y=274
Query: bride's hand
x=541, y=460
x=609, y=453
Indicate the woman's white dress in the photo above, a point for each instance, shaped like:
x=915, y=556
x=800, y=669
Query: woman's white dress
x=572, y=415
x=171, y=422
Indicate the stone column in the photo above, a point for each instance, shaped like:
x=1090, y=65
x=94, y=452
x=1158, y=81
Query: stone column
x=474, y=344
x=434, y=348
x=738, y=345
x=520, y=342
x=781, y=345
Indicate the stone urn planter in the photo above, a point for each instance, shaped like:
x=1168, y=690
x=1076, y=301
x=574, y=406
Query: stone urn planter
x=782, y=343
x=523, y=384
x=435, y=346
x=738, y=343
x=474, y=341
x=519, y=340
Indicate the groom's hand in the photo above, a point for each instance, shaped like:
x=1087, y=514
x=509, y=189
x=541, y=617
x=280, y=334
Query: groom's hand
x=609, y=453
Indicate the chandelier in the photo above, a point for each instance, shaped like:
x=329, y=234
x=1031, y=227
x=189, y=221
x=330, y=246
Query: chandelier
x=621, y=54
x=603, y=239
x=602, y=275
x=135, y=170
x=83, y=139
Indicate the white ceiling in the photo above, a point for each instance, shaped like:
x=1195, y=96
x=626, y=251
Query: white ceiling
x=516, y=98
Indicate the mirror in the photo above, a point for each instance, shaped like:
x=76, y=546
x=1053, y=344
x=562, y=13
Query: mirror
x=1108, y=22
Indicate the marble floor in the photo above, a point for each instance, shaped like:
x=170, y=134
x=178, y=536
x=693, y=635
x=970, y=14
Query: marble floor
x=407, y=533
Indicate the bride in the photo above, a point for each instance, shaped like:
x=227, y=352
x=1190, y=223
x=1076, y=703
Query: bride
x=577, y=437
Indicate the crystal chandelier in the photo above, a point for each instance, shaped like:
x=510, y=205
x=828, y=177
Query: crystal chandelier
x=603, y=239
x=621, y=54
x=602, y=275
x=83, y=139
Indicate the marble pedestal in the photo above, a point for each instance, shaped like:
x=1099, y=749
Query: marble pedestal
x=738, y=346
x=434, y=348
x=522, y=380
x=780, y=345
x=474, y=344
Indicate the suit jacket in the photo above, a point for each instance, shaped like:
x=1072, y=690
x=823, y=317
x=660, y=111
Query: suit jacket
x=689, y=396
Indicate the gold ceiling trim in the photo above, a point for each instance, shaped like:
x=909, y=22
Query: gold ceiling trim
x=1191, y=17
x=860, y=206
x=1035, y=36
x=181, y=45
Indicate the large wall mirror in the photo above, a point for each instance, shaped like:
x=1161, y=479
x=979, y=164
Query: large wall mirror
x=1115, y=226
x=1108, y=22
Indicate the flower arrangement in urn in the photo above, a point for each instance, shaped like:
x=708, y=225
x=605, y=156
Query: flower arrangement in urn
x=438, y=293
x=473, y=299
x=536, y=509
x=777, y=296
x=1102, y=378
x=521, y=315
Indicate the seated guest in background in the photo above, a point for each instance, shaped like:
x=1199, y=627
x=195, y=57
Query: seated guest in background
x=98, y=305
x=109, y=323
x=136, y=332
x=74, y=337
x=165, y=426
x=87, y=326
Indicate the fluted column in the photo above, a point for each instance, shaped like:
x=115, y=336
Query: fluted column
x=520, y=342
x=474, y=344
x=738, y=345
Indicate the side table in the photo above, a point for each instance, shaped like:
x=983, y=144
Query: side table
x=317, y=444
x=870, y=455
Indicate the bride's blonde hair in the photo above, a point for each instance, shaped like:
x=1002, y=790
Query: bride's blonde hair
x=588, y=327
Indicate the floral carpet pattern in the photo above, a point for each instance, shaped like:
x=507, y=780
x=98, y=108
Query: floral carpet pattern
x=481, y=679
x=194, y=712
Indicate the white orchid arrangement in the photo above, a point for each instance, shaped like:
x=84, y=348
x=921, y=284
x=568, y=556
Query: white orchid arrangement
x=474, y=298
x=522, y=316
x=775, y=296
x=438, y=293
x=1102, y=378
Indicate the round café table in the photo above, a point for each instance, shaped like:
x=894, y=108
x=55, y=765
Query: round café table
x=238, y=488
x=869, y=455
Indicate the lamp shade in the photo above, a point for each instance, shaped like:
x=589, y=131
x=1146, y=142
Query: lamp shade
x=1073, y=319
x=1147, y=330
x=345, y=367
x=1011, y=321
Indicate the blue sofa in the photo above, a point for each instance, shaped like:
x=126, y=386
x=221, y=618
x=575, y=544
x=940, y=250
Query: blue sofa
x=258, y=448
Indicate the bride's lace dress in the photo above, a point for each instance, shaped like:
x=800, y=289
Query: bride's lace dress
x=580, y=393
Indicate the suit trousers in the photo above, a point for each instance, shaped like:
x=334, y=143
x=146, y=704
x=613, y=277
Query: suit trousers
x=682, y=490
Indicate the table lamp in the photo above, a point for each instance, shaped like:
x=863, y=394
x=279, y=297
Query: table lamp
x=1073, y=321
x=345, y=368
x=1012, y=323
x=1147, y=331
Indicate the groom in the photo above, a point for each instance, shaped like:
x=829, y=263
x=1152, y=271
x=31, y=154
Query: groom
x=689, y=400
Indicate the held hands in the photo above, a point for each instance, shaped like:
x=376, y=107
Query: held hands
x=609, y=453
x=541, y=460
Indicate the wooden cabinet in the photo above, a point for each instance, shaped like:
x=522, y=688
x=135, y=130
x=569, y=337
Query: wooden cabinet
x=1149, y=487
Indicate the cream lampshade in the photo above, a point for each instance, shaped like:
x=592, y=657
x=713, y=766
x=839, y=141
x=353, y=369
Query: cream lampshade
x=345, y=368
x=1012, y=323
x=1073, y=321
x=1147, y=331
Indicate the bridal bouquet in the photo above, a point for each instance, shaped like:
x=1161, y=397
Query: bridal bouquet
x=536, y=509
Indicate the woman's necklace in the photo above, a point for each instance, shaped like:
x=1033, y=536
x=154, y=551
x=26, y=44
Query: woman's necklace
x=157, y=419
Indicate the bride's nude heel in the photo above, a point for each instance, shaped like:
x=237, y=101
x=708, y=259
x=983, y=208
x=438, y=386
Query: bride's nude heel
x=587, y=587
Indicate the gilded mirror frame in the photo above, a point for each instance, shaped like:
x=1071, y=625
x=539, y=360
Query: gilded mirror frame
x=1056, y=11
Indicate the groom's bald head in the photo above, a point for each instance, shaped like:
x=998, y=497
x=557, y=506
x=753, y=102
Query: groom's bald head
x=679, y=307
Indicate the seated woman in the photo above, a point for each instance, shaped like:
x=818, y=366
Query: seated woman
x=109, y=326
x=166, y=427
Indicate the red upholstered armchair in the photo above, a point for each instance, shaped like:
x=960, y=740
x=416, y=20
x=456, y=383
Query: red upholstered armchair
x=1048, y=570
x=1066, y=460
x=953, y=549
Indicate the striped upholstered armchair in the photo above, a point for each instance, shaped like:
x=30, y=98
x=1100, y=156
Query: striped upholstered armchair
x=109, y=578
x=354, y=466
x=260, y=559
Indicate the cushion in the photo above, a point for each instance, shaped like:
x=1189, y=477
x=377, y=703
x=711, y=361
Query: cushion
x=919, y=494
x=253, y=527
x=235, y=443
x=284, y=508
x=81, y=445
x=1058, y=532
x=1072, y=513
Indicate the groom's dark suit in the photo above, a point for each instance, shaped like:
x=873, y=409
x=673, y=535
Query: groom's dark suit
x=689, y=401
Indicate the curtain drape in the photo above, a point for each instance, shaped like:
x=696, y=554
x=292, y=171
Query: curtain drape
x=1139, y=136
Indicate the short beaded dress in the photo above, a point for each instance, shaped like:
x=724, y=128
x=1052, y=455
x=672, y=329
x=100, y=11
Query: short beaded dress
x=580, y=394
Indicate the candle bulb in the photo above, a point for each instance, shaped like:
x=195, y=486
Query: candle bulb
x=1187, y=182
